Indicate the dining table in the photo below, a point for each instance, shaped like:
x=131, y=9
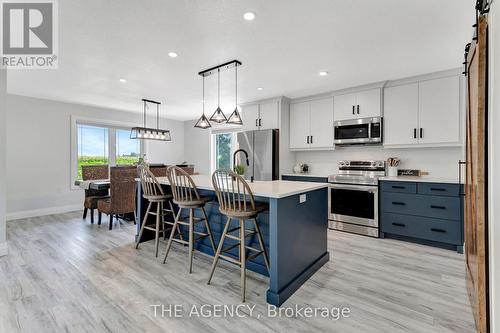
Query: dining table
x=97, y=184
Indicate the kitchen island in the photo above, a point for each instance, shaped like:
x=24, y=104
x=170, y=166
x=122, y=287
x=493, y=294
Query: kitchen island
x=294, y=230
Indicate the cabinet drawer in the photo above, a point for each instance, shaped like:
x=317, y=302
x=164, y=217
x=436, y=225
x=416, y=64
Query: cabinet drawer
x=451, y=190
x=401, y=203
x=422, y=227
x=400, y=187
x=439, y=207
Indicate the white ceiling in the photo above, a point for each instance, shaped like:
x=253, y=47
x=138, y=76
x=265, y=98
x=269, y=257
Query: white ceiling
x=282, y=50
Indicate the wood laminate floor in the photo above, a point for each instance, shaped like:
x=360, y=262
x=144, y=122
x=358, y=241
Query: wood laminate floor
x=64, y=275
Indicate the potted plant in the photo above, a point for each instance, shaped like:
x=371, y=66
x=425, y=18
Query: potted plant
x=239, y=169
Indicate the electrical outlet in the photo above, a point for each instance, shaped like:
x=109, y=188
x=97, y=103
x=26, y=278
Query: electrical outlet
x=302, y=198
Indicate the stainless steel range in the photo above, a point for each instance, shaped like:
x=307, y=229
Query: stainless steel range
x=353, y=197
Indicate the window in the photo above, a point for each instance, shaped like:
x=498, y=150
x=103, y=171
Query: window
x=97, y=144
x=93, y=147
x=128, y=150
x=223, y=150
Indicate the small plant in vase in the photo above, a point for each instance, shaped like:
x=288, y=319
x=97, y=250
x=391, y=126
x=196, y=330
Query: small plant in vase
x=239, y=169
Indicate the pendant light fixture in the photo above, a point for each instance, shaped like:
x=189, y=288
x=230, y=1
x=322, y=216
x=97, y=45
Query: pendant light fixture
x=203, y=122
x=218, y=115
x=145, y=133
x=235, y=117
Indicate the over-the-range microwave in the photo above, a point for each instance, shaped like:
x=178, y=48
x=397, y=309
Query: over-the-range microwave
x=358, y=131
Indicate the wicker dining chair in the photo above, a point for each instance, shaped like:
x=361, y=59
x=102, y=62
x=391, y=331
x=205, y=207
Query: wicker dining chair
x=186, y=197
x=122, y=194
x=93, y=172
x=158, y=171
x=154, y=194
x=236, y=202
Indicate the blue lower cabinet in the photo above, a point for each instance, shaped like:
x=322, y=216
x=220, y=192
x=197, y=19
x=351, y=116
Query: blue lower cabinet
x=433, y=215
x=305, y=179
x=446, y=231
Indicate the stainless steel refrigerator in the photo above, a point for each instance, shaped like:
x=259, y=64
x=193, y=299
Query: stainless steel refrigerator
x=262, y=149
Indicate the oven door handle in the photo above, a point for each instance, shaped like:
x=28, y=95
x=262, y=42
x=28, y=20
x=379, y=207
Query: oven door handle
x=363, y=188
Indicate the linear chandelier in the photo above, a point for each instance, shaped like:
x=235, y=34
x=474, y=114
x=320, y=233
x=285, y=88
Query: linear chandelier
x=146, y=133
x=218, y=116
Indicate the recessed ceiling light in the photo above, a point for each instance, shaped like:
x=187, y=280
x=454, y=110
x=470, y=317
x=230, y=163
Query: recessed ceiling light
x=323, y=73
x=249, y=16
x=123, y=81
x=172, y=54
x=260, y=88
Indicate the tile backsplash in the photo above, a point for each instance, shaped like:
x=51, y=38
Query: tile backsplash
x=438, y=162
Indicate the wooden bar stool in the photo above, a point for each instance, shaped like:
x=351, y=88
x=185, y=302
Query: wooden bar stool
x=236, y=202
x=186, y=196
x=153, y=192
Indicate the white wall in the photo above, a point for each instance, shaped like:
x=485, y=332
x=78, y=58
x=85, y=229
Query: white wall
x=439, y=162
x=38, y=153
x=3, y=112
x=197, y=144
x=494, y=165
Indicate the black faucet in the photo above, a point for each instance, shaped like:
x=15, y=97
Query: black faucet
x=240, y=151
x=246, y=156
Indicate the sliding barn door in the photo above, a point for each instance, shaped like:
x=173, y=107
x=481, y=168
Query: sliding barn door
x=476, y=245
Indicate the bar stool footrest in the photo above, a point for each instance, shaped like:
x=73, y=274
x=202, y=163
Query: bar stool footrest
x=234, y=261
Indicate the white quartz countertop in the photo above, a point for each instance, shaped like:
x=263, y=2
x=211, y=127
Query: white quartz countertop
x=426, y=179
x=269, y=189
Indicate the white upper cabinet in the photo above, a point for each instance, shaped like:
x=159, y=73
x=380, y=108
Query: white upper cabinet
x=345, y=107
x=311, y=124
x=368, y=103
x=269, y=115
x=439, y=116
x=250, y=116
x=362, y=104
x=401, y=115
x=260, y=116
x=321, y=123
x=299, y=125
x=423, y=113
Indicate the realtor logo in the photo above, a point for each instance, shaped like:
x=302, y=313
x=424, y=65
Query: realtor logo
x=29, y=34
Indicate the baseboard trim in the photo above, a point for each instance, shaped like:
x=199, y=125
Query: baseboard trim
x=3, y=249
x=42, y=212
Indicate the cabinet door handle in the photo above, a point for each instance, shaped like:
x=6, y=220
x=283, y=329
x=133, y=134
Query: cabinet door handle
x=256, y=122
x=399, y=224
x=438, y=230
x=438, y=207
x=260, y=122
x=398, y=203
x=399, y=187
x=358, y=108
x=421, y=132
x=353, y=109
x=414, y=133
x=311, y=139
x=438, y=189
x=308, y=139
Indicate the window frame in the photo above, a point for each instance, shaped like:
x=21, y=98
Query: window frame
x=112, y=126
x=213, y=149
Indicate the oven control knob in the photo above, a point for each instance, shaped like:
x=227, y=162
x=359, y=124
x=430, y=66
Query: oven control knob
x=380, y=163
x=341, y=163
